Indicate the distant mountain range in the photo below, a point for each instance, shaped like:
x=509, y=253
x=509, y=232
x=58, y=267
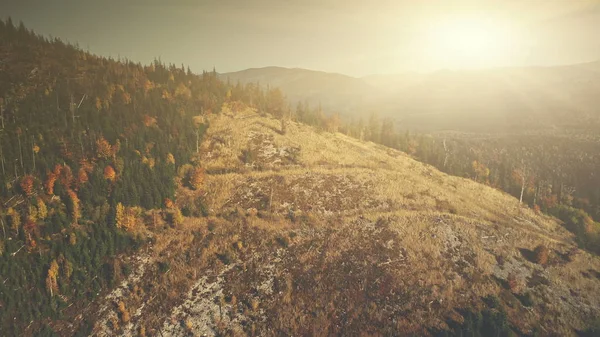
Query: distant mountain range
x=498, y=99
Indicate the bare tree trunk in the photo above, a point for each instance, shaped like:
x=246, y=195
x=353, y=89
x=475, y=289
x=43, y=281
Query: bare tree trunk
x=20, y=153
x=3, y=229
x=81, y=145
x=2, y=114
x=446, y=154
x=2, y=160
x=523, y=179
x=57, y=105
x=197, y=140
x=33, y=151
x=283, y=125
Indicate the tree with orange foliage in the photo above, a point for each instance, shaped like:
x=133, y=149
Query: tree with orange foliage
x=82, y=177
x=27, y=185
x=30, y=229
x=74, y=205
x=49, y=184
x=169, y=203
x=109, y=173
x=150, y=121
x=126, y=98
x=66, y=176
x=197, y=178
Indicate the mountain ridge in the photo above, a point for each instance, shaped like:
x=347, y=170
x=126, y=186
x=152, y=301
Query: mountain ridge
x=490, y=99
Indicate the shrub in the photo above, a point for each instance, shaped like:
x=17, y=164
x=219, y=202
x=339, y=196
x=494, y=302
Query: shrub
x=541, y=254
x=526, y=299
x=126, y=269
x=226, y=257
x=283, y=241
x=163, y=267
x=513, y=283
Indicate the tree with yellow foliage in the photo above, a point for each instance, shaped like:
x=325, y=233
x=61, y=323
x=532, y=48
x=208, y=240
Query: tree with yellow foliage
x=482, y=172
x=14, y=219
x=125, y=217
x=170, y=158
x=183, y=92
x=51, y=279
x=42, y=210
x=103, y=148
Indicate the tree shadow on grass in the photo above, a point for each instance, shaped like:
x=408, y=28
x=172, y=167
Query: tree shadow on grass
x=528, y=254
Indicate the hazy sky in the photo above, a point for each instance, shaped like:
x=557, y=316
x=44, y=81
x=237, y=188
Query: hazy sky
x=347, y=36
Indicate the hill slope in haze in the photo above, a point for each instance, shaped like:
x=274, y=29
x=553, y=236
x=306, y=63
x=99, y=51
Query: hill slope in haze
x=322, y=234
x=334, y=92
x=472, y=100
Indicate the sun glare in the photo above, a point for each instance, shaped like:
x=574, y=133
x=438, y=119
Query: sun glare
x=469, y=42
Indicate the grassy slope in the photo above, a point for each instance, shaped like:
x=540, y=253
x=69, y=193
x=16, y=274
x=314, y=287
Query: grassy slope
x=349, y=236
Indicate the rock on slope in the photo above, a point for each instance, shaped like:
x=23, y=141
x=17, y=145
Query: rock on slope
x=320, y=234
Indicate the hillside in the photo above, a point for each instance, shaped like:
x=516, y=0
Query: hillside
x=320, y=234
x=146, y=200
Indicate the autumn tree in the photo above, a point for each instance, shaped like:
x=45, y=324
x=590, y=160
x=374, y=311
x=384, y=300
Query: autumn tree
x=27, y=185
x=125, y=217
x=51, y=278
x=197, y=176
x=482, y=172
x=82, y=177
x=73, y=205
x=42, y=210
x=103, y=148
x=49, y=184
x=170, y=159
x=14, y=220
x=120, y=216
x=109, y=173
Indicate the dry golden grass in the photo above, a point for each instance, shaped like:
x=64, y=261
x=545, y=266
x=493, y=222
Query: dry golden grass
x=453, y=230
x=348, y=236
